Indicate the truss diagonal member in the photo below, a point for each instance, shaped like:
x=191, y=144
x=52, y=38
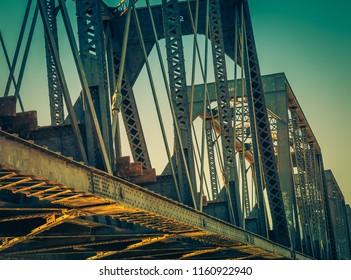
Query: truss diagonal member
x=18, y=46
x=62, y=80
x=143, y=242
x=9, y=66
x=55, y=91
x=211, y=160
x=264, y=139
x=51, y=222
x=131, y=118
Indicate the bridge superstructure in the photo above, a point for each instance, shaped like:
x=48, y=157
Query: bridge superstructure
x=245, y=179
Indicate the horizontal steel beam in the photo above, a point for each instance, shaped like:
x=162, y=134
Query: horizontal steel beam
x=108, y=195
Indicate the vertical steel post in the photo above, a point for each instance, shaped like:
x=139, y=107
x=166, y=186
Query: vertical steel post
x=225, y=113
x=178, y=87
x=301, y=192
x=310, y=192
x=62, y=80
x=55, y=92
x=319, y=203
x=328, y=217
x=92, y=52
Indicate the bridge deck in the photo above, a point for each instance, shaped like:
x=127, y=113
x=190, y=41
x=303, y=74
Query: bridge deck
x=80, y=191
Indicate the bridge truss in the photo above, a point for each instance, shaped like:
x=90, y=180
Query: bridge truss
x=245, y=179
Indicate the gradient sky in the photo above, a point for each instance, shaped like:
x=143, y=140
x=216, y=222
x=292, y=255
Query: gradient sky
x=308, y=40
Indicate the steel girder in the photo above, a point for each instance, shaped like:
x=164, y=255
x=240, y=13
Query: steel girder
x=319, y=204
x=264, y=138
x=310, y=188
x=103, y=194
x=55, y=91
x=179, y=96
x=92, y=51
x=225, y=113
x=301, y=192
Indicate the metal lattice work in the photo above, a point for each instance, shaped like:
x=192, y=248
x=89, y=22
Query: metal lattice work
x=225, y=113
x=55, y=92
x=90, y=192
x=319, y=205
x=301, y=192
x=211, y=160
x=265, y=146
x=267, y=180
x=245, y=186
x=92, y=50
x=177, y=82
x=310, y=190
x=131, y=119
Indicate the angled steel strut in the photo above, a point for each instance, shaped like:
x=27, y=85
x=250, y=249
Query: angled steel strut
x=264, y=143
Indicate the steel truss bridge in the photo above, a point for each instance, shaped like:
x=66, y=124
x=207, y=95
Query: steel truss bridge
x=244, y=178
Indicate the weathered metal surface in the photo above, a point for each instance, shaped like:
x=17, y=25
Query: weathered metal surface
x=338, y=217
x=107, y=195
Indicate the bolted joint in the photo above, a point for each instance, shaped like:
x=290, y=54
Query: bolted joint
x=116, y=101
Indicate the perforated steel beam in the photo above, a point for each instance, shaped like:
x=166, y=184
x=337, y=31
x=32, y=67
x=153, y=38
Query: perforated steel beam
x=55, y=92
x=264, y=144
x=225, y=113
x=179, y=96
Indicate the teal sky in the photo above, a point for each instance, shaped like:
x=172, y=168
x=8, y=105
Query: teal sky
x=308, y=40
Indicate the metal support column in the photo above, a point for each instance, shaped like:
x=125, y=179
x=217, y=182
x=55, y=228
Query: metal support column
x=319, y=206
x=55, y=91
x=92, y=51
x=225, y=113
x=328, y=219
x=265, y=146
x=310, y=192
x=177, y=80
